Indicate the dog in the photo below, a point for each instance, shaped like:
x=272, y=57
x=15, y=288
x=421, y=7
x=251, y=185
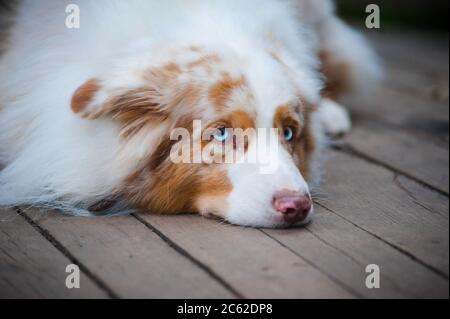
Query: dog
x=86, y=114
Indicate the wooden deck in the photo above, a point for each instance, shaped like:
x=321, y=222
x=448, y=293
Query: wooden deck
x=384, y=201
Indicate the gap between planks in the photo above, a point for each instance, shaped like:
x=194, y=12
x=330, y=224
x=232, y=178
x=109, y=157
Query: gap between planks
x=31, y=267
x=394, y=246
x=185, y=254
x=52, y=240
x=349, y=149
x=149, y=273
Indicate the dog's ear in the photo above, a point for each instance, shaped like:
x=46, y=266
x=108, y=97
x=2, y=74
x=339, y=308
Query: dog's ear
x=89, y=100
x=155, y=93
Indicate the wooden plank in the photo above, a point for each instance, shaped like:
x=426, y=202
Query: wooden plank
x=424, y=53
x=343, y=250
x=411, y=218
x=406, y=133
x=408, y=130
x=131, y=259
x=254, y=264
x=402, y=111
x=429, y=200
x=403, y=152
x=31, y=267
x=415, y=63
x=409, y=81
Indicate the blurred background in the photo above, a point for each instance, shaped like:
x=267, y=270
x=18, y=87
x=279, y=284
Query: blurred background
x=417, y=14
x=430, y=15
x=422, y=15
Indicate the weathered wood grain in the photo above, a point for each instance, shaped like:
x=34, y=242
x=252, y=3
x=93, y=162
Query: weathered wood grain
x=342, y=250
x=423, y=53
x=31, y=267
x=405, y=124
x=404, y=153
x=409, y=134
x=131, y=259
x=411, y=218
x=254, y=264
x=413, y=83
x=402, y=111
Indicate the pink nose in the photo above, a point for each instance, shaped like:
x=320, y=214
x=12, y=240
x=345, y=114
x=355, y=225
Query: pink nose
x=294, y=206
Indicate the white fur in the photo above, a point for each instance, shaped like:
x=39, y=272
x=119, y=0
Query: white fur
x=55, y=158
x=335, y=118
x=251, y=198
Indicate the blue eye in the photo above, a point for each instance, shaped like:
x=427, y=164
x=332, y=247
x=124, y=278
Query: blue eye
x=221, y=134
x=288, y=134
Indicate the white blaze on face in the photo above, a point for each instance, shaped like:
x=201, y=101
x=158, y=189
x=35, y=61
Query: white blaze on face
x=251, y=200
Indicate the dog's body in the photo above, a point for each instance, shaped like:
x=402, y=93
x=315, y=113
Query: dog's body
x=151, y=66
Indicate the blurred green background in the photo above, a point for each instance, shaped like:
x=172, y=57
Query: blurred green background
x=425, y=15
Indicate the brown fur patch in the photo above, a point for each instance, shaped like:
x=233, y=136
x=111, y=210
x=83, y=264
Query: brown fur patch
x=221, y=91
x=305, y=147
x=139, y=107
x=288, y=116
x=239, y=119
x=212, y=195
x=175, y=188
x=337, y=75
x=191, y=94
x=83, y=95
x=303, y=144
x=136, y=109
x=172, y=68
x=167, y=190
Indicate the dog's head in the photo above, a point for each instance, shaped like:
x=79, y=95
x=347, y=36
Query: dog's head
x=214, y=133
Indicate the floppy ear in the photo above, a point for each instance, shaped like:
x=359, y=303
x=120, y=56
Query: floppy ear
x=134, y=102
x=92, y=101
x=89, y=101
